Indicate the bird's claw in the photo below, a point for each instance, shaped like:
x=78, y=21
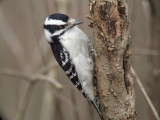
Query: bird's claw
x=93, y=52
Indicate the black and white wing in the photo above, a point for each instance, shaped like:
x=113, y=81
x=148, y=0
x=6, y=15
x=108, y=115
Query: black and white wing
x=63, y=58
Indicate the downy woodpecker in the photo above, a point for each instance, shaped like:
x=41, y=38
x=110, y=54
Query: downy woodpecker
x=70, y=47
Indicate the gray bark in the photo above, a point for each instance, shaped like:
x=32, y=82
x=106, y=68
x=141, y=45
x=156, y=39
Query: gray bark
x=115, y=82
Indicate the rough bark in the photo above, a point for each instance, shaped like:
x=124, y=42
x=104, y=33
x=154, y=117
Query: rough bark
x=115, y=82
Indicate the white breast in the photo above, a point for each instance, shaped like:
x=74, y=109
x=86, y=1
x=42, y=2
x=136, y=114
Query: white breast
x=76, y=43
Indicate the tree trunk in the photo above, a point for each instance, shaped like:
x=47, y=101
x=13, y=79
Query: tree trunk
x=115, y=82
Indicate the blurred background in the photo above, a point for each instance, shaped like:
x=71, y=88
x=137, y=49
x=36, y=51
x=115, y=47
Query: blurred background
x=25, y=52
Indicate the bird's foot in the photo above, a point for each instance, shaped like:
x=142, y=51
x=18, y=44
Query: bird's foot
x=93, y=52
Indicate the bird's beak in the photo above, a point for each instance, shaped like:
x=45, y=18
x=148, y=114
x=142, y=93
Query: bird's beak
x=72, y=24
x=77, y=23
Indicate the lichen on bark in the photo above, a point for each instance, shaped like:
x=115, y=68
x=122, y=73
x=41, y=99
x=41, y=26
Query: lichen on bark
x=115, y=82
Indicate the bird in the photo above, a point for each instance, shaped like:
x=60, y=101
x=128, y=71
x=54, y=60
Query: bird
x=70, y=47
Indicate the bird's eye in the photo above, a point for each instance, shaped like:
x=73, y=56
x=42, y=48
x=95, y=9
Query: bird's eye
x=62, y=26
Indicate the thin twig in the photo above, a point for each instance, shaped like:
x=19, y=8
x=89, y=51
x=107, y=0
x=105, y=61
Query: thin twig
x=31, y=78
x=39, y=51
x=47, y=68
x=146, y=95
x=48, y=79
x=25, y=101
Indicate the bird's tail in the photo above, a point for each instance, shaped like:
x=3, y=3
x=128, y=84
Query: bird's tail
x=95, y=104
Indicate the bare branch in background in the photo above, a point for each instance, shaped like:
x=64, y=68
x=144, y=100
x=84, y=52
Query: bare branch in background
x=22, y=108
x=47, y=68
x=146, y=95
x=13, y=43
x=62, y=5
x=147, y=52
x=77, y=109
x=40, y=50
x=31, y=78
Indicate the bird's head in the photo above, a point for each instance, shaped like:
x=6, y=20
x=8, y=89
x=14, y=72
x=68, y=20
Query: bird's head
x=57, y=24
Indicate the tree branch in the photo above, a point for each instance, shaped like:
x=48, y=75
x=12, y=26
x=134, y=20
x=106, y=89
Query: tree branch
x=115, y=83
x=31, y=78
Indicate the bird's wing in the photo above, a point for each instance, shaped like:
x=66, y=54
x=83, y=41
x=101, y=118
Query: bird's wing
x=69, y=68
x=63, y=58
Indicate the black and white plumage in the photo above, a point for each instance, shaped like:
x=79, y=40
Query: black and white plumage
x=70, y=47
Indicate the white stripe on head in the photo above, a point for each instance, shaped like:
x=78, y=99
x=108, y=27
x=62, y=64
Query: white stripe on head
x=53, y=22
